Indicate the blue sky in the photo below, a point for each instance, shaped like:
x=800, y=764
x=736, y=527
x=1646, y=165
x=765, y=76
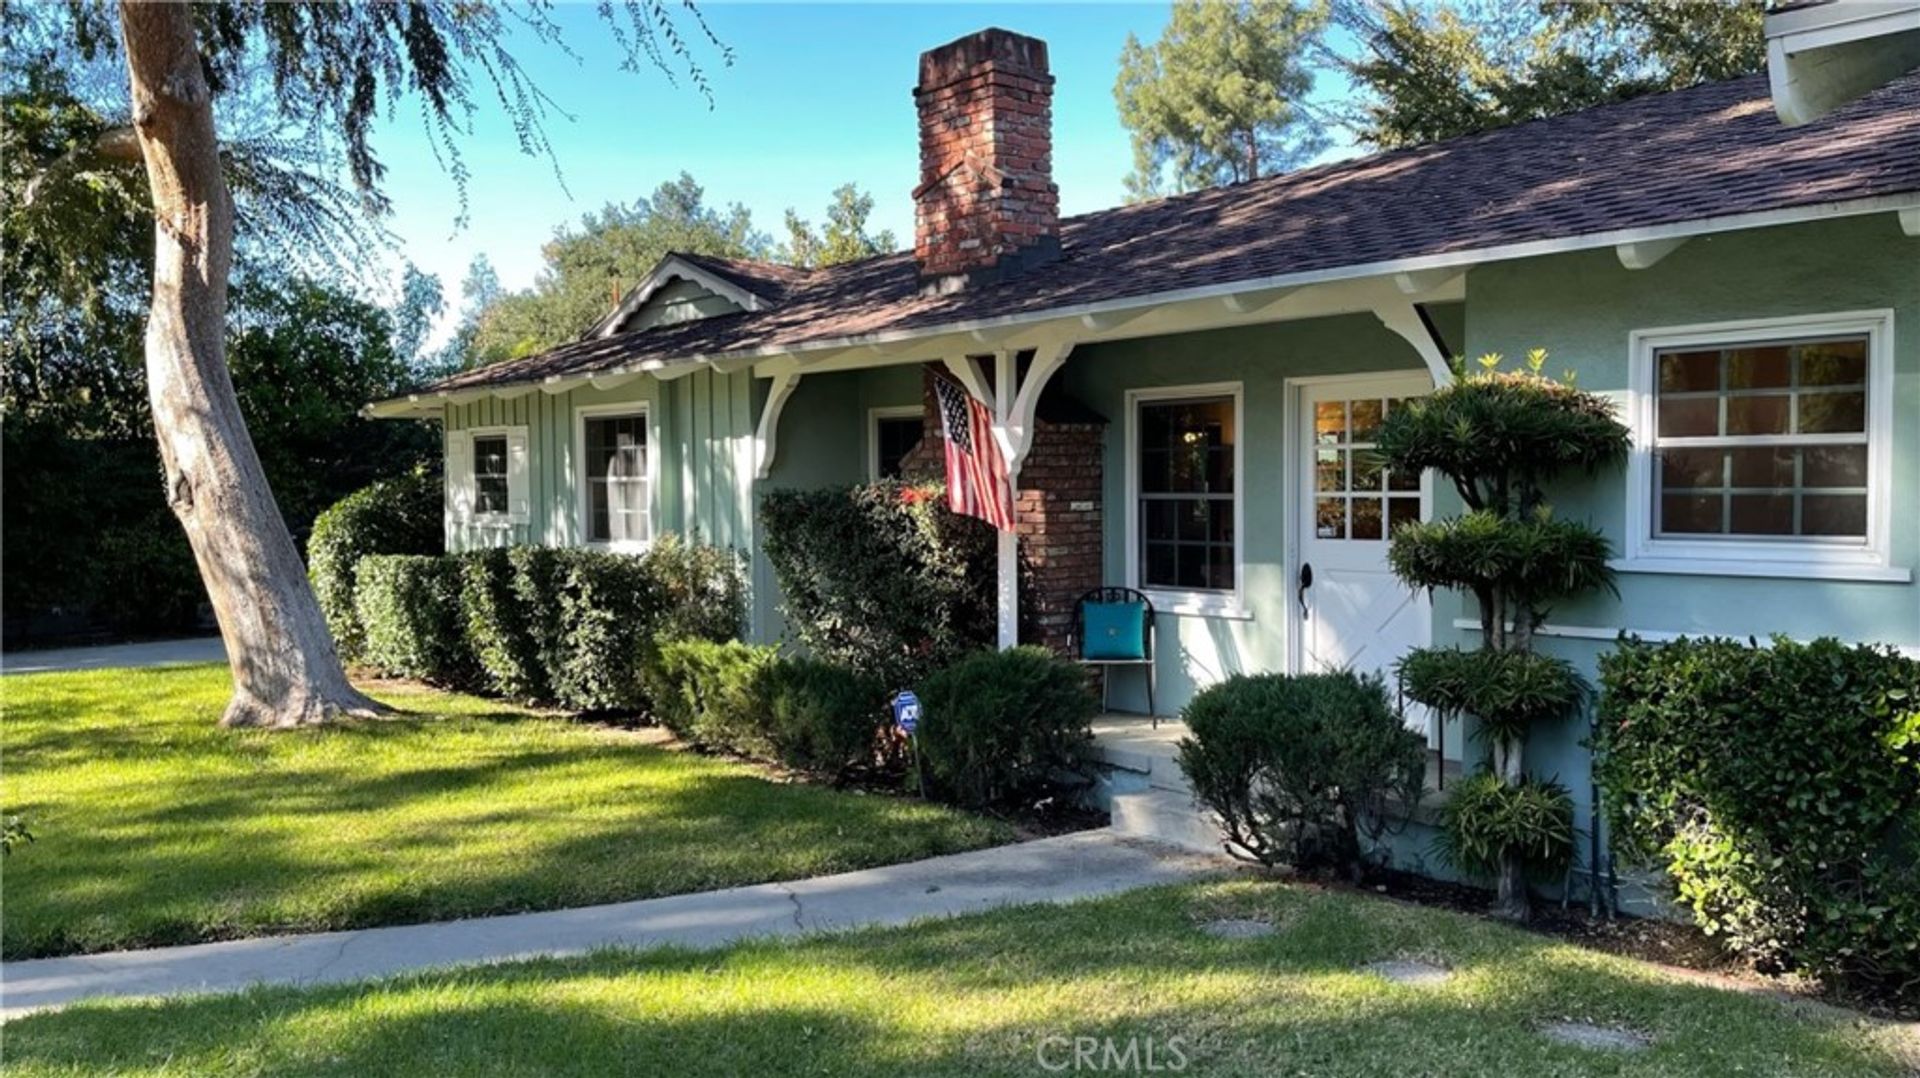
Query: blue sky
x=817, y=95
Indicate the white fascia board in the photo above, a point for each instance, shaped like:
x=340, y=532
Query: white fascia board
x=780, y=356
x=670, y=267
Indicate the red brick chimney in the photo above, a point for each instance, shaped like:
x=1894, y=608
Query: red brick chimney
x=986, y=206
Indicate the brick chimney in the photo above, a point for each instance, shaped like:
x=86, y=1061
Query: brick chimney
x=986, y=206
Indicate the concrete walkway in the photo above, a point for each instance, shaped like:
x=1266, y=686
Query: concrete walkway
x=1059, y=869
x=199, y=649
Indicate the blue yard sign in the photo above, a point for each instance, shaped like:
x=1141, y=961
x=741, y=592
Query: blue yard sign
x=906, y=712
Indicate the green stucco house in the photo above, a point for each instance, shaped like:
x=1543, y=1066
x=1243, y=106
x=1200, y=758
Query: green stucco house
x=1748, y=291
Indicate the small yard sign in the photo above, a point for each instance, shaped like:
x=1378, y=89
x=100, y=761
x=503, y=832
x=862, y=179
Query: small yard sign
x=906, y=712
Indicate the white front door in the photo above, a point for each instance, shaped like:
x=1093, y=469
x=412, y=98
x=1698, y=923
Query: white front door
x=1352, y=612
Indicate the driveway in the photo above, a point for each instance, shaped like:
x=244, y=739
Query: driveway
x=198, y=649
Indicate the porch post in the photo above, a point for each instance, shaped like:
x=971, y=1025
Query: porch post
x=1005, y=369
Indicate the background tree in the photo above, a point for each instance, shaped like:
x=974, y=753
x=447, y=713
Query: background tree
x=588, y=266
x=845, y=237
x=1424, y=72
x=1219, y=97
x=1499, y=438
x=331, y=68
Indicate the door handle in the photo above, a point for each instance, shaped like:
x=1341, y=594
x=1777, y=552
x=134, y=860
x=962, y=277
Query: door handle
x=1306, y=581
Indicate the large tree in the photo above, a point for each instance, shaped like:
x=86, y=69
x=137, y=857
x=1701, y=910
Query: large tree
x=844, y=238
x=335, y=69
x=1219, y=98
x=1424, y=72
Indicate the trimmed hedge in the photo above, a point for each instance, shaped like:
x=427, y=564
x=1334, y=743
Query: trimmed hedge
x=823, y=718
x=712, y=694
x=408, y=607
x=1007, y=728
x=1298, y=768
x=1780, y=786
x=393, y=516
x=882, y=578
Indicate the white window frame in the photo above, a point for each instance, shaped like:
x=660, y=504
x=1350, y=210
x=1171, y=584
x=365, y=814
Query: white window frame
x=874, y=416
x=1788, y=556
x=583, y=505
x=460, y=477
x=1225, y=604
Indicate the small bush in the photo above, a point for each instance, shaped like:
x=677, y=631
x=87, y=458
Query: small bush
x=1298, y=768
x=712, y=694
x=409, y=609
x=1780, y=787
x=1006, y=728
x=393, y=516
x=882, y=578
x=1485, y=820
x=704, y=589
x=823, y=718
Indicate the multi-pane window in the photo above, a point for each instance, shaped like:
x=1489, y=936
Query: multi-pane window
x=1762, y=440
x=490, y=490
x=893, y=438
x=617, y=496
x=1355, y=496
x=1187, y=490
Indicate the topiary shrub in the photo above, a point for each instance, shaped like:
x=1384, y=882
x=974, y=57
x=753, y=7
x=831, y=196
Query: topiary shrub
x=1780, y=787
x=882, y=578
x=401, y=515
x=1486, y=820
x=1300, y=768
x=1499, y=437
x=712, y=694
x=822, y=717
x=1006, y=728
x=408, y=606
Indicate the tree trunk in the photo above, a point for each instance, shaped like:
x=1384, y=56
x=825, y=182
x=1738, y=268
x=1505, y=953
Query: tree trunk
x=1512, y=903
x=285, y=670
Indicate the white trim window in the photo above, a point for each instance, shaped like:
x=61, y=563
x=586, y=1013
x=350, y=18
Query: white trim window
x=1184, y=496
x=487, y=475
x=615, y=448
x=1762, y=448
x=892, y=433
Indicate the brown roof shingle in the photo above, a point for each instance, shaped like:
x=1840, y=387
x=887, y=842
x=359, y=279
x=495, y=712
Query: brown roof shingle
x=1711, y=151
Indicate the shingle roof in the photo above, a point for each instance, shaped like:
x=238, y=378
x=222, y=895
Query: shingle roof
x=771, y=281
x=1708, y=152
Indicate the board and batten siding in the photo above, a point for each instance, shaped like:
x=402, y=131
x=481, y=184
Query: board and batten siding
x=700, y=438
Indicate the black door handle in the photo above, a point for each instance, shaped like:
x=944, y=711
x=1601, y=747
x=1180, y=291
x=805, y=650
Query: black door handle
x=1306, y=581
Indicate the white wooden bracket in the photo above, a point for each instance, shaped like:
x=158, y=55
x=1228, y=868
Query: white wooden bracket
x=1642, y=254
x=1403, y=319
x=1421, y=282
x=768, y=436
x=1910, y=221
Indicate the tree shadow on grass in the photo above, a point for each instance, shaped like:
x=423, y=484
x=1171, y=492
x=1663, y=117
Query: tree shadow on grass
x=972, y=996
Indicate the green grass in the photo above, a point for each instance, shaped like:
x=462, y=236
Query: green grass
x=156, y=827
x=979, y=995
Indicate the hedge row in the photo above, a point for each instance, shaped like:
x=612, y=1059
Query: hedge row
x=392, y=516
x=572, y=627
x=998, y=729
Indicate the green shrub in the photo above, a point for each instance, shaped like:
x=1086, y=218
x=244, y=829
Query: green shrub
x=1509, y=691
x=393, y=516
x=704, y=588
x=1298, y=768
x=883, y=578
x=609, y=609
x=146, y=580
x=509, y=607
x=409, y=610
x=1486, y=821
x=1006, y=728
x=712, y=694
x=1780, y=787
x=823, y=718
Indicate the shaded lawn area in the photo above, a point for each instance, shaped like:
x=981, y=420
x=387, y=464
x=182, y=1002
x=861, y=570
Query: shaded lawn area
x=155, y=827
x=980, y=995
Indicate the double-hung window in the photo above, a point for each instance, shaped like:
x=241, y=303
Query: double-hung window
x=490, y=489
x=617, y=490
x=487, y=477
x=1761, y=448
x=892, y=433
x=1186, y=496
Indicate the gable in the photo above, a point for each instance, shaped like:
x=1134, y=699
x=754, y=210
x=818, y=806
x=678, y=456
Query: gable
x=675, y=301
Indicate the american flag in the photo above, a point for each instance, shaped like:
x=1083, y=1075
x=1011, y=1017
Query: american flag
x=976, y=473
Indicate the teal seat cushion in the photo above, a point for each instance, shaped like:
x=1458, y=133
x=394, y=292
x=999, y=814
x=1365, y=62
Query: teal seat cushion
x=1114, y=631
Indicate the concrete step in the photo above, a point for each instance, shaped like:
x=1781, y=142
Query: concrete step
x=1165, y=816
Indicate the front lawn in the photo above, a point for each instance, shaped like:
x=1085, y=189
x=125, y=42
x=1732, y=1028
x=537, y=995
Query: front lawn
x=156, y=827
x=991, y=994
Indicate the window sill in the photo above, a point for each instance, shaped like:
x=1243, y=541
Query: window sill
x=1224, y=608
x=1786, y=570
x=491, y=520
x=623, y=546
